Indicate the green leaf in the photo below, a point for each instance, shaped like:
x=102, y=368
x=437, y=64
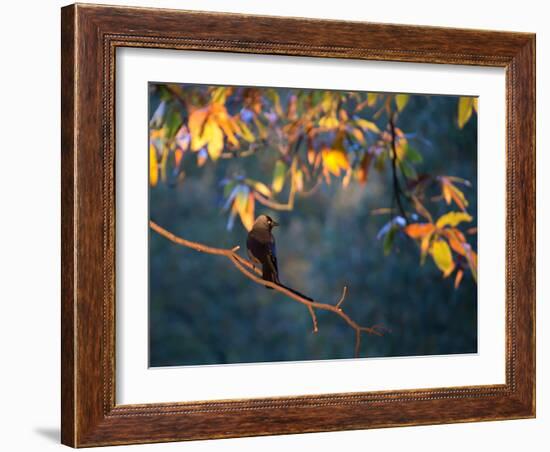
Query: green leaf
x=279, y=174
x=401, y=101
x=408, y=170
x=389, y=239
x=413, y=155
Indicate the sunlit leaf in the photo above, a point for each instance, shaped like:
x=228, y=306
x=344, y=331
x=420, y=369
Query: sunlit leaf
x=298, y=178
x=178, y=155
x=163, y=164
x=465, y=107
x=279, y=174
x=476, y=103
x=458, y=278
x=372, y=98
x=153, y=166
x=456, y=240
x=451, y=193
x=335, y=160
x=367, y=125
x=329, y=122
x=419, y=230
x=358, y=134
x=441, y=254
x=363, y=170
x=452, y=219
x=247, y=214
x=214, y=137
x=401, y=101
x=196, y=122
x=260, y=187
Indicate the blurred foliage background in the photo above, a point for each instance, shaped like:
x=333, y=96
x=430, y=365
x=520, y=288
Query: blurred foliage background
x=349, y=224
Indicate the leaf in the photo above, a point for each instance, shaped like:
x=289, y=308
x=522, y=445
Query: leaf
x=408, y=170
x=363, y=171
x=389, y=239
x=367, y=125
x=298, y=178
x=419, y=230
x=260, y=187
x=153, y=166
x=334, y=160
x=214, y=136
x=452, y=219
x=247, y=214
x=450, y=193
x=456, y=241
x=245, y=131
x=441, y=254
x=358, y=134
x=458, y=278
x=196, y=122
x=371, y=99
x=329, y=122
x=471, y=257
x=421, y=209
x=279, y=174
x=465, y=107
x=413, y=155
x=401, y=101
x=178, y=155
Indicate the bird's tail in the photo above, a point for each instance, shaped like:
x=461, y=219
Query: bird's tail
x=294, y=291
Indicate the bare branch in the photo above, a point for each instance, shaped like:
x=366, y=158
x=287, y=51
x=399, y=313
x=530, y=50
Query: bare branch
x=254, y=274
x=313, y=318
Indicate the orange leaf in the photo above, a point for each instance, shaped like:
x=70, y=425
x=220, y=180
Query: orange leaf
x=458, y=278
x=363, y=171
x=419, y=230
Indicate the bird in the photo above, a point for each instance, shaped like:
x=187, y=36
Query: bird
x=260, y=245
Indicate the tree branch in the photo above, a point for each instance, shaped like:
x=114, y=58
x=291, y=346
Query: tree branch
x=254, y=274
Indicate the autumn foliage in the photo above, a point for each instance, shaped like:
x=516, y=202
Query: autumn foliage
x=317, y=138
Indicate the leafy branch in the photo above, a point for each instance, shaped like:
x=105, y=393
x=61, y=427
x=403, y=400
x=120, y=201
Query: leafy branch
x=254, y=274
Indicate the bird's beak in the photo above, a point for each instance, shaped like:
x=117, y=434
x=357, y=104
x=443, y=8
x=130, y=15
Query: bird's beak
x=274, y=223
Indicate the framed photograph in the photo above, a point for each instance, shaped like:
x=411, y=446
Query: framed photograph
x=281, y=225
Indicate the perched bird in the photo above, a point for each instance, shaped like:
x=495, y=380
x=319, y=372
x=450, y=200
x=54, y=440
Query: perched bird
x=260, y=245
x=261, y=249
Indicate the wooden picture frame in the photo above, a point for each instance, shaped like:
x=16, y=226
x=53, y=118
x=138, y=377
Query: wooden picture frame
x=90, y=36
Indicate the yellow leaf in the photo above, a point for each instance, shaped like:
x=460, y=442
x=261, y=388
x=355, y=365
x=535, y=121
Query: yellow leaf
x=329, y=122
x=452, y=219
x=245, y=132
x=358, y=134
x=279, y=174
x=367, y=125
x=153, y=166
x=465, y=106
x=247, y=214
x=225, y=122
x=214, y=137
x=196, y=123
x=334, y=160
x=401, y=101
x=371, y=99
x=262, y=189
x=441, y=254
x=476, y=103
x=451, y=193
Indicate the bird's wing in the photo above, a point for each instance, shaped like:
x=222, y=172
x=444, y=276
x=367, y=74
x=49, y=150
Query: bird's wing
x=272, y=254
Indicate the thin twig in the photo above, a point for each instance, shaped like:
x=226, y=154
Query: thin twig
x=396, y=186
x=253, y=273
x=313, y=319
